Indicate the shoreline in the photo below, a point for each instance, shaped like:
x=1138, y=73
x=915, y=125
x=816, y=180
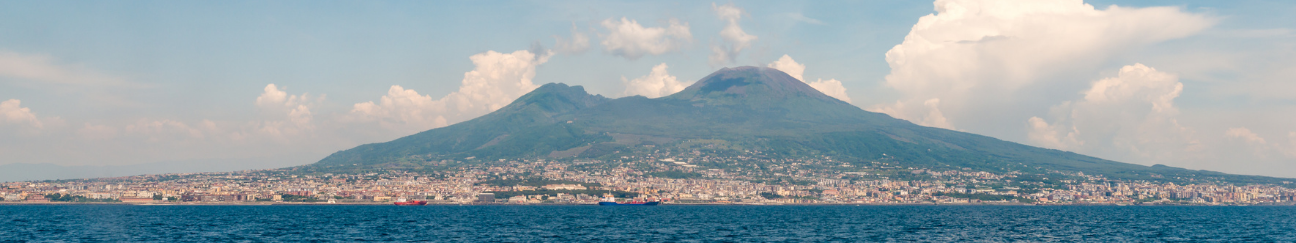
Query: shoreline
x=591, y=204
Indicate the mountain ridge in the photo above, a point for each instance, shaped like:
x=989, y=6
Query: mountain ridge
x=734, y=109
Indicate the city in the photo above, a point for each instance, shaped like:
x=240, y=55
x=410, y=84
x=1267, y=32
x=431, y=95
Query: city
x=672, y=178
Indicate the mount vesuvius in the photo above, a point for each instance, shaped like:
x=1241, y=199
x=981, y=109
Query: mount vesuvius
x=733, y=109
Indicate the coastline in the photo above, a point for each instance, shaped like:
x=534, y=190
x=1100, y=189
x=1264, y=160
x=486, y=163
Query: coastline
x=2, y=203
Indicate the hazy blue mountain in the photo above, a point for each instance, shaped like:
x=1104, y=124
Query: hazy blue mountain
x=744, y=108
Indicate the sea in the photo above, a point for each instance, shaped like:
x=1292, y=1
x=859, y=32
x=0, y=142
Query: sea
x=667, y=223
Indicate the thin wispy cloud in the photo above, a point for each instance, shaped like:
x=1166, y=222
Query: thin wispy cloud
x=798, y=17
x=45, y=69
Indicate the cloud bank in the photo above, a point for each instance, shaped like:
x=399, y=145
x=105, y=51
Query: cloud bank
x=1130, y=114
x=977, y=56
x=287, y=125
x=284, y=130
x=497, y=80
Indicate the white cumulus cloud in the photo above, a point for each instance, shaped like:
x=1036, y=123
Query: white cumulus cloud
x=496, y=81
x=626, y=38
x=789, y=66
x=13, y=113
x=1130, y=116
x=830, y=87
x=978, y=55
x=403, y=107
x=289, y=114
x=735, y=39
x=657, y=83
x=1050, y=135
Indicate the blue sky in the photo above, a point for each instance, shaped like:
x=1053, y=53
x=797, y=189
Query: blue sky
x=121, y=83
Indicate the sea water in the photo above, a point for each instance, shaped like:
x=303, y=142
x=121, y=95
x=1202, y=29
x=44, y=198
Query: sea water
x=668, y=223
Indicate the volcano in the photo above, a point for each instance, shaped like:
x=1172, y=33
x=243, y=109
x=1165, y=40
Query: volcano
x=731, y=110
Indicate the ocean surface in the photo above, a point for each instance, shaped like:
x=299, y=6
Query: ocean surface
x=669, y=223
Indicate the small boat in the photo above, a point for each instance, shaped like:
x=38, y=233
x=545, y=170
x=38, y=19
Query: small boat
x=412, y=203
x=607, y=201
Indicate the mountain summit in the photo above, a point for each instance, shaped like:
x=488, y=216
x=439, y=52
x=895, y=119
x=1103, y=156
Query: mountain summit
x=750, y=85
x=731, y=111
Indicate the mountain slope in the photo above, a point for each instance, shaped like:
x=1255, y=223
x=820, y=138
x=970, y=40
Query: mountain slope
x=733, y=109
x=528, y=123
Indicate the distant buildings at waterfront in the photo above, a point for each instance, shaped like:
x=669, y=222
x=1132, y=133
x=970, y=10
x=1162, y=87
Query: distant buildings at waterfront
x=790, y=182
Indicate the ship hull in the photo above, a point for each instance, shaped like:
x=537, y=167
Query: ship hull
x=412, y=203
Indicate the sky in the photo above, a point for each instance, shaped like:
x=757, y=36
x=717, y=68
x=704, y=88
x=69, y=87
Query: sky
x=263, y=84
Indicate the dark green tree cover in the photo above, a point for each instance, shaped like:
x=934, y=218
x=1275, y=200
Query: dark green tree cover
x=56, y=197
x=739, y=109
x=296, y=198
x=770, y=195
x=533, y=181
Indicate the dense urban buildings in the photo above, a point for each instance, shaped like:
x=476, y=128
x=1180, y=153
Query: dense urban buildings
x=690, y=178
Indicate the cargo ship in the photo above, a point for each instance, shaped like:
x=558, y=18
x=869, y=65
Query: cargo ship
x=607, y=201
x=412, y=203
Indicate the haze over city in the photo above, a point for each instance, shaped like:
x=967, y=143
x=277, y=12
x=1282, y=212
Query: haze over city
x=159, y=87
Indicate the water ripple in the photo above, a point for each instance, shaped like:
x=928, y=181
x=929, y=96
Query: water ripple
x=61, y=223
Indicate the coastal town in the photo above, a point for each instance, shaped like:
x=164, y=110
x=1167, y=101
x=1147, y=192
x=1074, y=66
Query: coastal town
x=695, y=179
